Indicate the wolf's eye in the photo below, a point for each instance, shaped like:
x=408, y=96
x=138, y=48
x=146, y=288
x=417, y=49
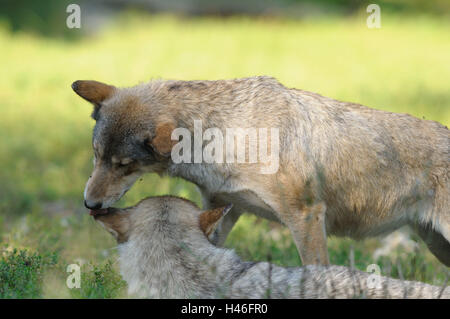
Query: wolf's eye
x=125, y=162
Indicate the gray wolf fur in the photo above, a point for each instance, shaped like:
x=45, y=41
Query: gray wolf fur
x=344, y=169
x=165, y=252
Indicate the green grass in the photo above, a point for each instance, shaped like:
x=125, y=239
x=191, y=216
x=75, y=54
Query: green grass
x=99, y=282
x=21, y=273
x=45, y=129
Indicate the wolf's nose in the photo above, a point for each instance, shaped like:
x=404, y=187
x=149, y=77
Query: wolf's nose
x=92, y=206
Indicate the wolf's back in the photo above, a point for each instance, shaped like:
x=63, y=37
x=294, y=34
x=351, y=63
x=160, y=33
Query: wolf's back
x=263, y=280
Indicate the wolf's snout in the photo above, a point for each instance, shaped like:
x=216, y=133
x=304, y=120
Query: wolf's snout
x=92, y=206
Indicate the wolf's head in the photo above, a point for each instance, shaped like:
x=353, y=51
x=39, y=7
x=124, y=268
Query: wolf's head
x=161, y=221
x=127, y=141
x=163, y=243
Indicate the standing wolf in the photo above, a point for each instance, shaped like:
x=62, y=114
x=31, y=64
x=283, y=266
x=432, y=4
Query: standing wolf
x=344, y=169
x=165, y=252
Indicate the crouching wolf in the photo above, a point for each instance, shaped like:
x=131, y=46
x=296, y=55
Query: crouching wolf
x=165, y=252
x=343, y=169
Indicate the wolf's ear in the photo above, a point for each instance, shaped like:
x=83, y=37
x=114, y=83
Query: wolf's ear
x=210, y=219
x=93, y=91
x=162, y=143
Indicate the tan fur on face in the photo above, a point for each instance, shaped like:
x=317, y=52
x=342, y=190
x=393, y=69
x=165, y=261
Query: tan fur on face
x=163, y=142
x=107, y=182
x=117, y=223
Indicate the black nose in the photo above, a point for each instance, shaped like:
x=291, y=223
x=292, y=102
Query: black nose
x=95, y=206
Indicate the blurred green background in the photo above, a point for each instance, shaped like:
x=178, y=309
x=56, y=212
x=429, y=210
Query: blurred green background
x=45, y=129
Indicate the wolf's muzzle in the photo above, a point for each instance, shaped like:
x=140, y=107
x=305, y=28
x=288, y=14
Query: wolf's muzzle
x=93, y=206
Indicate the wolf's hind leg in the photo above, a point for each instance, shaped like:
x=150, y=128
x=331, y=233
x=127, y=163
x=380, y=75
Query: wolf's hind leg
x=436, y=242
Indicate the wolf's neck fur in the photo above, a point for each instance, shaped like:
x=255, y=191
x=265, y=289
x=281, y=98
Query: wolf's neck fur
x=172, y=269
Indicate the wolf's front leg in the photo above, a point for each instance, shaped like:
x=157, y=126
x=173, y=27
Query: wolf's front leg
x=307, y=226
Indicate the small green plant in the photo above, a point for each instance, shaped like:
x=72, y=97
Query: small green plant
x=99, y=282
x=21, y=273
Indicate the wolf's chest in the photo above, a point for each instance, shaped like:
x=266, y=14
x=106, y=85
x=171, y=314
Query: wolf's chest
x=245, y=201
x=218, y=187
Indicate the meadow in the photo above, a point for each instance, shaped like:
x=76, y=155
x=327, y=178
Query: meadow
x=45, y=129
